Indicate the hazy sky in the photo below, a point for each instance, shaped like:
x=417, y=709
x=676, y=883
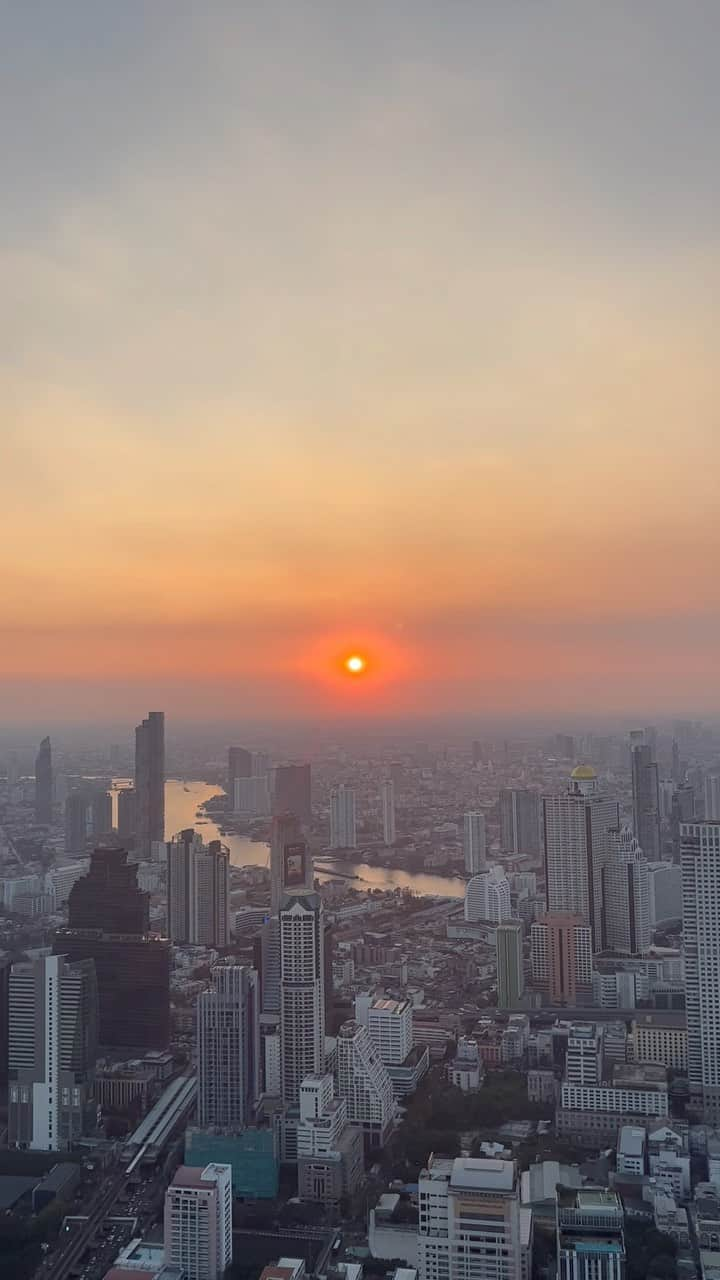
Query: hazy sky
x=390, y=326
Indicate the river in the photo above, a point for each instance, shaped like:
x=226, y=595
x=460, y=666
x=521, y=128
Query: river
x=183, y=799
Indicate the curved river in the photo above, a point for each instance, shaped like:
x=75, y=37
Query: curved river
x=183, y=799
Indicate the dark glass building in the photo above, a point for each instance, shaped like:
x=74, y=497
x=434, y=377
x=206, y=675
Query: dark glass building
x=43, y=784
x=133, y=981
x=293, y=792
x=150, y=782
x=108, y=897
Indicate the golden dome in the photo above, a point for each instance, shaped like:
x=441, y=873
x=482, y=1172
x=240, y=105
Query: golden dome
x=584, y=773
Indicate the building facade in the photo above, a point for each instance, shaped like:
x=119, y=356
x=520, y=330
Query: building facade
x=302, y=1004
x=520, y=822
x=363, y=1082
x=228, y=1048
x=474, y=842
x=700, y=865
x=577, y=827
x=198, y=891
x=198, y=1221
x=469, y=1221
x=510, y=964
x=343, y=830
x=150, y=783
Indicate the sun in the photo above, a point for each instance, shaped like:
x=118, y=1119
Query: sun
x=355, y=664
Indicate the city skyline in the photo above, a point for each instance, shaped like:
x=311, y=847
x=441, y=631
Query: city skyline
x=415, y=310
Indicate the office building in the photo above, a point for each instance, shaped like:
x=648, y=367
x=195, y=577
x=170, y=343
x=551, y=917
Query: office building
x=470, y=1224
x=150, y=783
x=664, y=892
x=646, y=795
x=520, y=822
x=126, y=817
x=329, y=1151
x=387, y=800
x=561, y=958
x=661, y=1037
x=5, y=966
x=133, y=981
x=627, y=925
x=88, y=817
x=302, y=1005
x=700, y=865
x=198, y=891
x=343, y=833
x=474, y=843
x=108, y=897
x=487, y=897
x=251, y=796
x=364, y=1083
x=712, y=797
x=228, y=1048
x=577, y=827
x=44, y=784
x=239, y=766
x=510, y=964
x=390, y=1026
x=290, y=862
x=198, y=1221
x=52, y=1005
x=584, y=1056
x=292, y=792
x=590, y=1239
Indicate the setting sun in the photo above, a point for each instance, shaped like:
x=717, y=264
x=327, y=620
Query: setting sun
x=355, y=664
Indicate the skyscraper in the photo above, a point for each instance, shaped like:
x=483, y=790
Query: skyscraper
x=290, y=862
x=126, y=816
x=198, y=1221
x=700, y=865
x=108, y=897
x=44, y=784
x=292, y=792
x=387, y=799
x=88, y=817
x=577, y=842
x=51, y=1053
x=626, y=896
x=302, y=1005
x=561, y=958
x=520, y=822
x=474, y=842
x=228, y=1048
x=150, y=782
x=363, y=1082
x=646, y=795
x=198, y=891
x=510, y=964
x=343, y=834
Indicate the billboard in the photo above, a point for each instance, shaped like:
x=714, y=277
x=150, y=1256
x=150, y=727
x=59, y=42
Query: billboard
x=294, y=865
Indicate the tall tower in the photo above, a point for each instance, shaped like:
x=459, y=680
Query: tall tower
x=108, y=897
x=198, y=1221
x=198, y=891
x=712, y=797
x=520, y=822
x=292, y=792
x=51, y=1054
x=578, y=840
x=343, y=834
x=43, y=784
x=626, y=896
x=290, y=863
x=302, y=1005
x=387, y=798
x=150, y=782
x=474, y=842
x=510, y=964
x=239, y=766
x=646, y=795
x=228, y=1048
x=700, y=866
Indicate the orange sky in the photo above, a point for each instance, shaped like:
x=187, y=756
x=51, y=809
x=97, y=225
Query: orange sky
x=386, y=336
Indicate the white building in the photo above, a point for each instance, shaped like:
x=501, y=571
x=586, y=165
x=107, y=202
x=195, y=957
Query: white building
x=322, y=1116
x=621, y=1100
x=470, y=1224
x=60, y=880
x=466, y=1071
x=364, y=1083
x=577, y=844
x=387, y=800
x=487, y=897
x=302, y=1006
x=583, y=1060
x=390, y=1025
x=700, y=864
x=474, y=842
x=631, y=1144
x=198, y=891
x=343, y=833
x=228, y=1048
x=198, y=1221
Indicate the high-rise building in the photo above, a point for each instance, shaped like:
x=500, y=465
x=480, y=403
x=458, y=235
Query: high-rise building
x=487, y=897
x=700, y=865
x=126, y=816
x=52, y=1048
x=387, y=800
x=390, y=1026
x=470, y=1225
x=302, y=1005
x=292, y=792
x=561, y=957
x=251, y=796
x=626, y=896
x=646, y=795
x=364, y=1083
x=584, y=1057
x=510, y=964
x=239, y=766
x=198, y=1221
x=329, y=1151
x=343, y=834
x=5, y=965
x=712, y=797
x=290, y=862
x=88, y=817
x=577, y=843
x=44, y=784
x=198, y=891
x=150, y=782
x=520, y=822
x=228, y=1048
x=108, y=897
x=590, y=1238
x=664, y=892
x=474, y=843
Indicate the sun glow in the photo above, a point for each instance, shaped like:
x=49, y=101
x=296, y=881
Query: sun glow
x=355, y=664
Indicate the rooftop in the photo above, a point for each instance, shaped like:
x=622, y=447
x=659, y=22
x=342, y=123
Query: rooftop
x=481, y=1175
x=631, y=1141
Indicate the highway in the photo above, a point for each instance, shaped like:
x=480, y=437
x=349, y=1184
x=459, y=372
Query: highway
x=59, y=1264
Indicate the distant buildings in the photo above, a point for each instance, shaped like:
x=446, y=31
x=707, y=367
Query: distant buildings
x=126, y=817
x=290, y=862
x=251, y=796
x=343, y=834
x=44, y=784
x=53, y=1024
x=292, y=792
x=471, y=1226
x=150, y=782
x=387, y=800
x=198, y=1221
x=239, y=766
x=474, y=843
x=228, y=1048
x=577, y=842
x=487, y=897
x=520, y=822
x=510, y=964
x=712, y=797
x=198, y=891
x=645, y=794
x=700, y=863
x=88, y=817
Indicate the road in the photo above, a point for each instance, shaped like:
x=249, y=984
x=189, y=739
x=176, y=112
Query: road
x=59, y=1264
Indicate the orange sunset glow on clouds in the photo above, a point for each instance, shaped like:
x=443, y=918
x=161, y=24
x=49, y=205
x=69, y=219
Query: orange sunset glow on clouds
x=385, y=331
